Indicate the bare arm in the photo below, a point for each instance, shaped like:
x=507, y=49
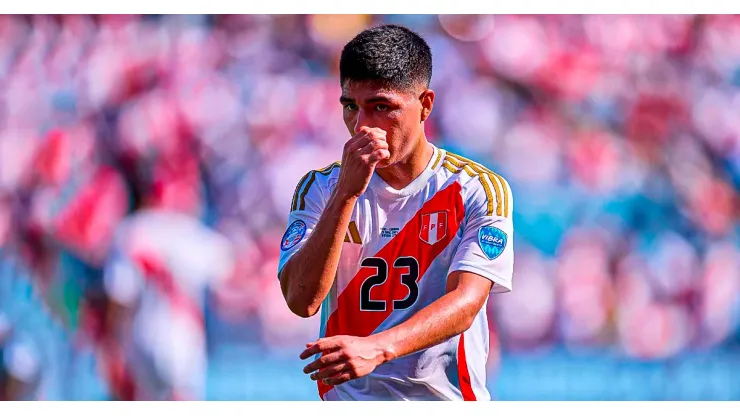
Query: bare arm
x=348, y=357
x=448, y=316
x=308, y=276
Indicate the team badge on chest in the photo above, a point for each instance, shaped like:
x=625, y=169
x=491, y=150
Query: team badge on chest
x=433, y=227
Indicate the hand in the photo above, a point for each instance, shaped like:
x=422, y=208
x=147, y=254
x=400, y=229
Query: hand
x=361, y=153
x=344, y=358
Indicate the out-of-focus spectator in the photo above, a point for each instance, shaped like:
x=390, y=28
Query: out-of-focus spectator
x=147, y=165
x=161, y=267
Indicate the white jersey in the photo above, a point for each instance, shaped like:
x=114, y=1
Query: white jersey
x=399, y=249
x=162, y=264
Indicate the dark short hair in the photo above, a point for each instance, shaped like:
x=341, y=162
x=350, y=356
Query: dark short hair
x=393, y=54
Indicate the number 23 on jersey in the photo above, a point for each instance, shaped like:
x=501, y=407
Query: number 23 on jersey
x=409, y=273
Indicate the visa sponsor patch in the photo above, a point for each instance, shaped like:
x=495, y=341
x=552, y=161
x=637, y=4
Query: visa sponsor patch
x=293, y=235
x=492, y=241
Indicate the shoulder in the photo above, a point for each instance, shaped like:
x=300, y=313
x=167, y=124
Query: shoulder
x=481, y=186
x=314, y=183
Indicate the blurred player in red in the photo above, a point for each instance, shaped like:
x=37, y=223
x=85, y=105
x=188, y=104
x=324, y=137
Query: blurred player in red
x=400, y=244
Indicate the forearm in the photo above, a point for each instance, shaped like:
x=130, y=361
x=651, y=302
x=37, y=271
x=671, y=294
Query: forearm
x=443, y=319
x=308, y=276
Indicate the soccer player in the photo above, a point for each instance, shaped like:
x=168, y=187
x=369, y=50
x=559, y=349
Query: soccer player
x=400, y=244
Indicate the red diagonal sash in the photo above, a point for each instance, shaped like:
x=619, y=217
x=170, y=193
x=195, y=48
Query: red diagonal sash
x=348, y=318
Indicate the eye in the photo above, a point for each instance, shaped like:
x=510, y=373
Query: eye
x=350, y=107
x=381, y=107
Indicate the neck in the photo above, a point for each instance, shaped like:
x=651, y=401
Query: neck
x=402, y=173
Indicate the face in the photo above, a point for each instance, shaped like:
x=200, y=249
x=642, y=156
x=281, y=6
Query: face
x=400, y=113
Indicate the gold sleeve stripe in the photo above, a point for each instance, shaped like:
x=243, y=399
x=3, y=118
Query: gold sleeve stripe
x=312, y=178
x=498, y=193
x=298, y=188
x=436, y=162
x=482, y=171
x=452, y=160
x=325, y=171
x=506, y=189
x=463, y=166
x=450, y=167
x=489, y=196
x=355, y=233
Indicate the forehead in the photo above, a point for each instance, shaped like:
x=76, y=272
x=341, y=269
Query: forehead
x=364, y=90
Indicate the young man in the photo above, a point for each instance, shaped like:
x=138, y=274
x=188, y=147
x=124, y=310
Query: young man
x=400, y=244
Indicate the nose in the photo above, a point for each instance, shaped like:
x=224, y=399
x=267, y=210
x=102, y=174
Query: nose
x=362, y=120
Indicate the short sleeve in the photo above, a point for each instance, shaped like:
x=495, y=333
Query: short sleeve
x=487, y=244
x=305, y=210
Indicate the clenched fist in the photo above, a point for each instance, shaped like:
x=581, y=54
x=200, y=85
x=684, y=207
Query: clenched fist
x=361, y=154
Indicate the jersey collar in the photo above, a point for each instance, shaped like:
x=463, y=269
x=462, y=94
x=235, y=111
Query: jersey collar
x=382, y=188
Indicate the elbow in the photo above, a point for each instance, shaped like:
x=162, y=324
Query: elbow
x=469, y=312
x=466, y=322
x=296, y=302
x=302, y=310
x=300, y=307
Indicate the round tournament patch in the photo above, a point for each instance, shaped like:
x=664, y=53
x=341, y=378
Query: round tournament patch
x=293, y=235
x=492, y=241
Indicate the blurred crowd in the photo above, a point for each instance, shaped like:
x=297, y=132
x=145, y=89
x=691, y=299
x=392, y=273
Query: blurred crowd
x=147, y=165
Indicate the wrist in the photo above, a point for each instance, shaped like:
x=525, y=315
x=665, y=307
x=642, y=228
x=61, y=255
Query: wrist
x=341, y=195
x=385, y=346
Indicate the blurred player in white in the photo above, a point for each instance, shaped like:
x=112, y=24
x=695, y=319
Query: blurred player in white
x=162, y=264
x=400, y=244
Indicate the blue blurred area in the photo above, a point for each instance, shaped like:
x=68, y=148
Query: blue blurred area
x=137, y=149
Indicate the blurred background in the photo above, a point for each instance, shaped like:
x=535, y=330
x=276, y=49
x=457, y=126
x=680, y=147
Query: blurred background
x=147, y=164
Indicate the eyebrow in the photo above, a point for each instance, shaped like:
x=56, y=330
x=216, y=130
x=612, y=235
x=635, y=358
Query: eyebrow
x=374, y=99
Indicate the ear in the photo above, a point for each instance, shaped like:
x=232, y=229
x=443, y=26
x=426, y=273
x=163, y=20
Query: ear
x=427, y=103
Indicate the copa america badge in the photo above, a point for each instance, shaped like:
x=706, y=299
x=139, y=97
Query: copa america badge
x=293, y=235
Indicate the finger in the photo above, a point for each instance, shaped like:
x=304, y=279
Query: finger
x=338, y=379
x=379, y=155
x=370, y=131
x=330, y=371
x=369, y=150
x=310, y=351
x=322, y=345
x=357, y=142
x=323, y=361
